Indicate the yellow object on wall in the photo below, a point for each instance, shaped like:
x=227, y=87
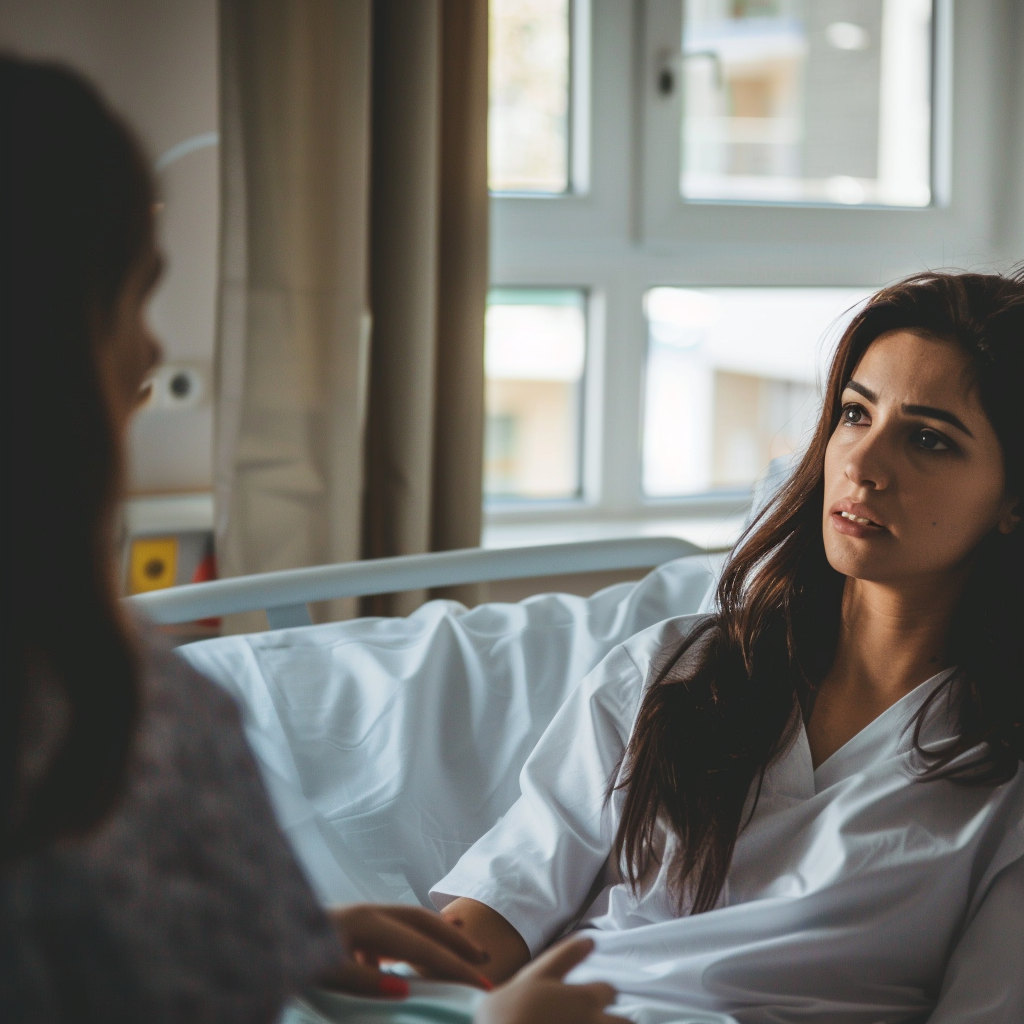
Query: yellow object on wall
x=153, y=564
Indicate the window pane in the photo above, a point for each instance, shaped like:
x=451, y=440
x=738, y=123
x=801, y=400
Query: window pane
x=821, y=101
x=732, y=380
x=528, y=126
x=535, y=356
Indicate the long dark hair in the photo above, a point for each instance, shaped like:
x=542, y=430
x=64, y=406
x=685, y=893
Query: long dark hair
x=76, y=214
x=725, y=702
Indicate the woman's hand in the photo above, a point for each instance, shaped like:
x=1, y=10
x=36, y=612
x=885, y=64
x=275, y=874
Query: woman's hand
x=371, y=933
x=537, y=994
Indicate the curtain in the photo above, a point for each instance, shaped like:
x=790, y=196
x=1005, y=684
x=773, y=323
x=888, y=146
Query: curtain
x=354, y=192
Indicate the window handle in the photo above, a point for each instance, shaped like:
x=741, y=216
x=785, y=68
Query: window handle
x=670, y=66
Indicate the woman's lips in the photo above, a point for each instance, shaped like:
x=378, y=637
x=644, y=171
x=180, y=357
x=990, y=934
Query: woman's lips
x=854, y=520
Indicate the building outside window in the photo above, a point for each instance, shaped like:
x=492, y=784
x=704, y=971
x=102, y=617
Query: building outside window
x=534, y=359
x=689, y=199
x=807, y=101
x=529, y=110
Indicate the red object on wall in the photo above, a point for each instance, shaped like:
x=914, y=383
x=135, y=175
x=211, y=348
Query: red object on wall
x=206, y=570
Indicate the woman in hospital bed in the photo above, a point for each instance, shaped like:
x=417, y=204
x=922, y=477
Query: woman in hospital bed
x=808, y=806
x=143, y=877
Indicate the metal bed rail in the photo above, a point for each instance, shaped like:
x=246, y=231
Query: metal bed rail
x=284, y=595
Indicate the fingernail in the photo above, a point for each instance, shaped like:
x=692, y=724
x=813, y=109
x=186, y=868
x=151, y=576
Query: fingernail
x=389, y=985
x=485, y=983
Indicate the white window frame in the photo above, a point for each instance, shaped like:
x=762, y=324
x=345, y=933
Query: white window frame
x=668, y=218
x=630, y=230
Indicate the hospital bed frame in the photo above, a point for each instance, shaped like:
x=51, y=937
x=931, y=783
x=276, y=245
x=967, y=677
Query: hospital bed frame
x=284, y=595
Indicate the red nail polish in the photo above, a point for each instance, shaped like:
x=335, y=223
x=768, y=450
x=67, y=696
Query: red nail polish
x=389, y=985
x=485, y=983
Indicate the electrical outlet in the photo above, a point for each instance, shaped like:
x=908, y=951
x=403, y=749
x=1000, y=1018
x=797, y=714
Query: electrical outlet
x=179, y=385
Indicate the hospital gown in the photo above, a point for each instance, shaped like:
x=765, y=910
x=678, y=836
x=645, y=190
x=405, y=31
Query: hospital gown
x=857, y=893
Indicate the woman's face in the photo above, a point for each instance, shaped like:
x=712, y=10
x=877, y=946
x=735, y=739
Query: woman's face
x=914, y=473
x=127, y=350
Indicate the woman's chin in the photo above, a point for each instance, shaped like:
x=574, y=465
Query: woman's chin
x=859, y=561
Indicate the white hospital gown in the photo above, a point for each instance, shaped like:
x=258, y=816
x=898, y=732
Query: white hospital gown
x=857, y=893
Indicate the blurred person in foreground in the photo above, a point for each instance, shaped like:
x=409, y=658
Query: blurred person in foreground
x=142, y=874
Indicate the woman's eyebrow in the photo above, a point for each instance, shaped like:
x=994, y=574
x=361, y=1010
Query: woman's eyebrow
x=937, y=414
x=862, y=390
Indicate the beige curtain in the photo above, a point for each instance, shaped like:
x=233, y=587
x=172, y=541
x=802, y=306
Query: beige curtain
x=354, y=186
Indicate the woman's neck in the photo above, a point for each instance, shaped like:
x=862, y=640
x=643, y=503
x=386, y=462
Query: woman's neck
x=891, y=639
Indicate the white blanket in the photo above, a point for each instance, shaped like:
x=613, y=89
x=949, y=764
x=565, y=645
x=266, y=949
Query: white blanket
x=390, y=745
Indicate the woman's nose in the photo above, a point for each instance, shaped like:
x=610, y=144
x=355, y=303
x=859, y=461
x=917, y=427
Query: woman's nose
x=867, y=465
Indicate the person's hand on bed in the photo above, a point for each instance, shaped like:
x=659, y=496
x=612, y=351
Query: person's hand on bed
x=538, y=995
x=371, y=933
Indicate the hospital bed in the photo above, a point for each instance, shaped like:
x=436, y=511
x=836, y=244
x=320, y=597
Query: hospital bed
x=285, y=595
x=389, y=745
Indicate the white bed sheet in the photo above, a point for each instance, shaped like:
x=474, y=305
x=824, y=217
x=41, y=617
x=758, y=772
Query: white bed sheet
x=389, y=746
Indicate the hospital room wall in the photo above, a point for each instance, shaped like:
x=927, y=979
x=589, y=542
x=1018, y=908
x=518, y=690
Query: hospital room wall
x=157, y=63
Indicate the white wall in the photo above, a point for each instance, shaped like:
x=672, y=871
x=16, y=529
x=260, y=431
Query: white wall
x=157, y=63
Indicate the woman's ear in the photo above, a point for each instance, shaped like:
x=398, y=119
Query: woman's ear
x=1010, y=518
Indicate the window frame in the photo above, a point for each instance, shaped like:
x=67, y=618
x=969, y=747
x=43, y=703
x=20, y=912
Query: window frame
x=631, y=230
x=954, y=217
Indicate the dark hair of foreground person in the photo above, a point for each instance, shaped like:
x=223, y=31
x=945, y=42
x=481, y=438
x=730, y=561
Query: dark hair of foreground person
x=76, y=215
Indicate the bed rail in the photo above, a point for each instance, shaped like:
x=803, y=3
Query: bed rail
x=284, y=595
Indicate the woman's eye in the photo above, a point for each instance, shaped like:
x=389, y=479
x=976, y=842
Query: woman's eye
x=854, y=414
x=930, y=441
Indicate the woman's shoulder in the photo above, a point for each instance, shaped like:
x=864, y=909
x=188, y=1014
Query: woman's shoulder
x=187, y=720
x=651, y=647
x=191, y=753
x=196, y=873
x=619, y=681
x=192, y=765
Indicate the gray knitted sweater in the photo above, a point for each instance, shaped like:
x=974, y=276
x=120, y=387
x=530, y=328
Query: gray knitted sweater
x=186, y=906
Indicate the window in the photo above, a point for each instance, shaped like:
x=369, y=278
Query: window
x=732, y=380
x=539, y=84
x=528, y=121
x=534, y=359
x=754, y=168
x=807, y=101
